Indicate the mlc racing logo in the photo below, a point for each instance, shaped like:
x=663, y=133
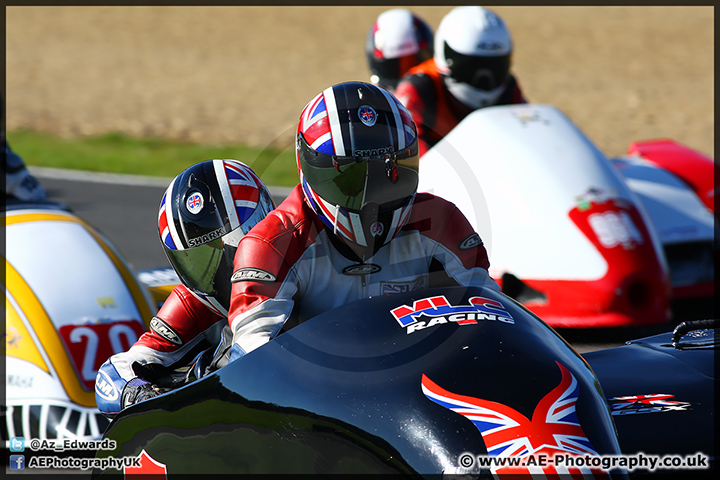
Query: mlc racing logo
x=432, y=311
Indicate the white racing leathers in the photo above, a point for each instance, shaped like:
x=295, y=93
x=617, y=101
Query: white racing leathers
x=288, y=268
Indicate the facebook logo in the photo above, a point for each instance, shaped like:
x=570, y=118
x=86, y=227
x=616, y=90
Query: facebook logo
x=17, y=462
x=17, y=444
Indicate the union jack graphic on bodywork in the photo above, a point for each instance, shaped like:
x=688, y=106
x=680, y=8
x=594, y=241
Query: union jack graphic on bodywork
x=653, y=403
x=554, y=427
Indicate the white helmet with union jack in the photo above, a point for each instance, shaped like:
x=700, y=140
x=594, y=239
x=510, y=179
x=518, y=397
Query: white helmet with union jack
x=357, y=156
x=204, y=213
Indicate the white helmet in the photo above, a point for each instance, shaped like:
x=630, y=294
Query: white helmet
x=397, y=41
x=473, y=50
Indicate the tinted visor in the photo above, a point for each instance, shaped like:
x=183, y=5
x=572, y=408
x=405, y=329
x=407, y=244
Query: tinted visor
x=390, y=70
x=352, y=182
x=485, y=73
x=206, y=269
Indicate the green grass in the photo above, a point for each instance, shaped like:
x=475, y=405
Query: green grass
x=119, y=153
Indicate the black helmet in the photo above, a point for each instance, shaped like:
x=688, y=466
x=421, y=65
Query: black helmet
x=204, y=213
x=357, y=155
x=397, y=41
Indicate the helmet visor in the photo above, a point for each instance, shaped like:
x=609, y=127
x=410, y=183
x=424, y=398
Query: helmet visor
x=484, y=73
x=344, y=181
x=390, y=70
x=206, y=269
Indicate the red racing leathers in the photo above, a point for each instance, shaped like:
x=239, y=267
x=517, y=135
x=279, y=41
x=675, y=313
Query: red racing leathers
x=433, y=108
x=182, y=328
x=290, y=267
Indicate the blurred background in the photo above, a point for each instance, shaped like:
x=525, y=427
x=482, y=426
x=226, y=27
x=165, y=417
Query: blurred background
x=241, y=75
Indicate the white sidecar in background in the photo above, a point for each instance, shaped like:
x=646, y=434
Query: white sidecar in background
x=71, y=302
x=580, y=240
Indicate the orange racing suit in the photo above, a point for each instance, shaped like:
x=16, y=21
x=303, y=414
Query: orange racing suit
x=433, y=108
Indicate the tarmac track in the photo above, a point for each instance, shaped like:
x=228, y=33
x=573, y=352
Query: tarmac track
x=122, y=207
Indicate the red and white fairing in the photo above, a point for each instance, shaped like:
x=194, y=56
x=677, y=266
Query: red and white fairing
x=565, y=234
x=676, y=185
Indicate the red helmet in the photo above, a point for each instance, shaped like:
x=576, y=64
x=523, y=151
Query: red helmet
x=396, y=42
x=204, y=213
x=357, y=155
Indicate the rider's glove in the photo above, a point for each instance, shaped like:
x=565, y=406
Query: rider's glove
x=108, y=386
x=138, y=390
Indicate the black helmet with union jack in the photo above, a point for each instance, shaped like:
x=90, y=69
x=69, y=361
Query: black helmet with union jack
x=357, y=156
x=204, y=213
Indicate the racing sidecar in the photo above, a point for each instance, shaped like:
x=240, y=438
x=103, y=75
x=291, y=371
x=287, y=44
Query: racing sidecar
x=580, y=240
x=661, y=390
x=676, y=186
x=425, y=383
x=71, y=302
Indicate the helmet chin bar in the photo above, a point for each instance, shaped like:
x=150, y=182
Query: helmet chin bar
x=364, y=253
x=360, y=251
x=473, y=97
x=377, y=229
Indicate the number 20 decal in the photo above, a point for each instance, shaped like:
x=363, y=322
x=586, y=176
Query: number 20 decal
x=90, y=345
